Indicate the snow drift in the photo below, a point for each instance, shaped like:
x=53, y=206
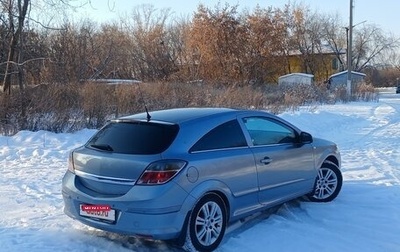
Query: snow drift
x=364, y=217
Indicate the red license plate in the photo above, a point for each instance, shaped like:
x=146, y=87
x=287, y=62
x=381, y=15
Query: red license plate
x=103, y=212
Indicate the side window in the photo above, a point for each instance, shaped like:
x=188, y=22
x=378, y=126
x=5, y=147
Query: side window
x=227, y=135
x=265, y=131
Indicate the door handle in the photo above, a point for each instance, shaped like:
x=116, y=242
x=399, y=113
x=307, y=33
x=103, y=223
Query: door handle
x=266, y=160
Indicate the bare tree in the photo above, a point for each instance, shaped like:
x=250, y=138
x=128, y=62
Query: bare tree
x=150, y=53
x=178, y=35
x=369, y=42
x=72, y=52
x=217, y=41
x=390, y=59
x=307, y=41
x=266, y=36
x=16, y=17
x=334, y=33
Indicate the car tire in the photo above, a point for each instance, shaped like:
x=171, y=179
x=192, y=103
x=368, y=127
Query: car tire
x=327, y=184
x=207, y=224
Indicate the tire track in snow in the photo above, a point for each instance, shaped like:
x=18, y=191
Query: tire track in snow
x=380, y=158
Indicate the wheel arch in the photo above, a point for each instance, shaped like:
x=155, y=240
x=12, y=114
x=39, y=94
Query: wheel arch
x=224, y=199
x=214, y=187
x=327, y=157
x=194, y=237
x=180, y=240
x=332, y=159
x=328, y=184
x=203, y=189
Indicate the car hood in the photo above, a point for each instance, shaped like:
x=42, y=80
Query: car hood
x=322, y=142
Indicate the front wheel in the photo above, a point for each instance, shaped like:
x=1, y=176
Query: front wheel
x=328, y=183
x=207, y=224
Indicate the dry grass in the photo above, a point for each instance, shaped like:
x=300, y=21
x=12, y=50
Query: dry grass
x=67, y=108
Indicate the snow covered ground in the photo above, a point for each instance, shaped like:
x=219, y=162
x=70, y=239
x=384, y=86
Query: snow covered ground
x=365, y=217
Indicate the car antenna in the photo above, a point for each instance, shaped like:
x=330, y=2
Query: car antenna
x=144, y=103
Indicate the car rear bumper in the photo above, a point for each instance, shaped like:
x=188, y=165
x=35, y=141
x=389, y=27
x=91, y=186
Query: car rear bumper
x=157, y=216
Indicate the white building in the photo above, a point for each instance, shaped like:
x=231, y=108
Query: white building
x=296, y=79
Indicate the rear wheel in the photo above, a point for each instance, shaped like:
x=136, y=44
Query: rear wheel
x=328, y=183
x=207, y=223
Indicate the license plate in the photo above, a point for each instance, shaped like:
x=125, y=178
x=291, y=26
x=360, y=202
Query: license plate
x=103, y=212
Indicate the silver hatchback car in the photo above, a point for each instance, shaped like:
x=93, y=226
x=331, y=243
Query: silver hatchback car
x=185, y=174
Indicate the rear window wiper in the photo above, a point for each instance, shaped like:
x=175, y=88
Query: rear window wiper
x=105, y=147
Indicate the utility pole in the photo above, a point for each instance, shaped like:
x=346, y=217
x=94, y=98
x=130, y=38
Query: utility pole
x=349, y=51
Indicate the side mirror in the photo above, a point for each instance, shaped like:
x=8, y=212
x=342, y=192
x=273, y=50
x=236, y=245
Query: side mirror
x=306, y=138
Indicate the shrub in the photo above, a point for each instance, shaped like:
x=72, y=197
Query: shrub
x=66, y=108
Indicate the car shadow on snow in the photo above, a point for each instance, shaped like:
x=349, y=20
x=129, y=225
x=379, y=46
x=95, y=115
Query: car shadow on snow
x=234, y=229
x=131, y=243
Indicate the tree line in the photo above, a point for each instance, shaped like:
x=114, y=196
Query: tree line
x=219, y=44
x=219, y=56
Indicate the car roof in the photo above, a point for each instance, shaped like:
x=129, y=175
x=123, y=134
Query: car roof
x=180, y=115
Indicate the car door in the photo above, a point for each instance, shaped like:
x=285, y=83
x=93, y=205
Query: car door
x=285, y=167
x=223, y=155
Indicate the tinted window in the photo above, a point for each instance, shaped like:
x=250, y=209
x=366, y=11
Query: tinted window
x=264, y=131
x=227, y=135
x=134, y=137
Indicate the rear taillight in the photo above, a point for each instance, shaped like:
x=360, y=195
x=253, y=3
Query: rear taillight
x=71, y=167
x=161, y=172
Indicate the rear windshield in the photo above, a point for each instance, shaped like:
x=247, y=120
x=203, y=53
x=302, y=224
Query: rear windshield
x=134, y=137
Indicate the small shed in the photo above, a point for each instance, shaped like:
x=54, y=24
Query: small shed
x=296, y=79
x=340, y=79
